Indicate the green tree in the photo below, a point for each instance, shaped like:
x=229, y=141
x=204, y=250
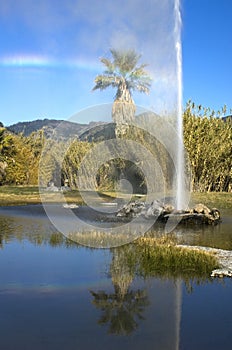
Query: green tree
x=7, y=151
x=22, y=165
x=72, y=160
x=50, y=165
x=6, y=144
x=35, y=143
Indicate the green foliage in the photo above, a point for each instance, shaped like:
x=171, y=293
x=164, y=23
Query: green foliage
x=158, y=151
x=19, y=158
x=110, y=172
x=23, y=167
x=6, y=144
x=72, y=160
x=161, y=257
x=7, y=152
x=208, y=141
x=50, y=163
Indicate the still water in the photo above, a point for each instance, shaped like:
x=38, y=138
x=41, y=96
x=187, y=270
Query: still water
x=55, y=294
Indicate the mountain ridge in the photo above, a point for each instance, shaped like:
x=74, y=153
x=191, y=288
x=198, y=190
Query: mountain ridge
x=63, y=128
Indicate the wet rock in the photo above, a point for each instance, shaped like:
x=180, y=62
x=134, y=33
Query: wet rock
x=199, y=214
x=215, y=213
x=209, y=216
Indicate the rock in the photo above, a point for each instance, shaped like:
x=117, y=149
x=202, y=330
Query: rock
x=211, y=216
x=131, y=209
x=199, y=214
x=155, y=209
x=52, y=189
x=221, y=273
x=216, y=214
x=200, y=209
x=70, y=206
x=168, y=209
x=65, y=189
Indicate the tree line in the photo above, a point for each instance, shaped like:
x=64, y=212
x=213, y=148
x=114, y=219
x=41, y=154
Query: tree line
x=207, y=139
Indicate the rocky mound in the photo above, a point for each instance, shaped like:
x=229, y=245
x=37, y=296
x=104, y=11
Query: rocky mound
x=199, y=214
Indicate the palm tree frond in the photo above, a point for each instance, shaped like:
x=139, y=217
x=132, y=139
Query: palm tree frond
x=104, y=81
x=125, y=61
x=125, y=74
x=110, y=66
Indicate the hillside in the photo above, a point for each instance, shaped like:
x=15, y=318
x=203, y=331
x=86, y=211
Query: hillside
x=99, y=133
x=63, y=129
x=227, y=118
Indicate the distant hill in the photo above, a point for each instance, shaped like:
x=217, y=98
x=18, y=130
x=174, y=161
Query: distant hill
x=61, y=128
x=99, y=133
x=227, y=118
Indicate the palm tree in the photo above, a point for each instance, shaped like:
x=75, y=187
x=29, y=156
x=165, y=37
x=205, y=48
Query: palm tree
x=123, y=309
x=122, y=315
x=124, y=74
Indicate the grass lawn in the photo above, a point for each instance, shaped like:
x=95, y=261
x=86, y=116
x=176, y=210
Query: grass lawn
x=20, y=195
x=220, y=200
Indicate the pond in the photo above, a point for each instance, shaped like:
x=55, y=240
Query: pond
x=56, y=294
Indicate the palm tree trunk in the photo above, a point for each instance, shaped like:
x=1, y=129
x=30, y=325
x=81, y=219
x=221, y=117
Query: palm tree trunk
x=123, y=112
x=123, y=109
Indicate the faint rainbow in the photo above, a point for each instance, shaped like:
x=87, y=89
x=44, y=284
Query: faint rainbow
x=43, y=62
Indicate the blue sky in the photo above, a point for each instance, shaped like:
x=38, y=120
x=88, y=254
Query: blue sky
x=50, y=50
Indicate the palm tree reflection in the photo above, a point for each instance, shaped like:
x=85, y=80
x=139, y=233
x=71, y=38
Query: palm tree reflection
x=123, y=309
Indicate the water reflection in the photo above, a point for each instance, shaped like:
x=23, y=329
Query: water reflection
x=35, y=230
x=122, y=309
x=219, y=236
x=56, y=294
x=128, y=261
